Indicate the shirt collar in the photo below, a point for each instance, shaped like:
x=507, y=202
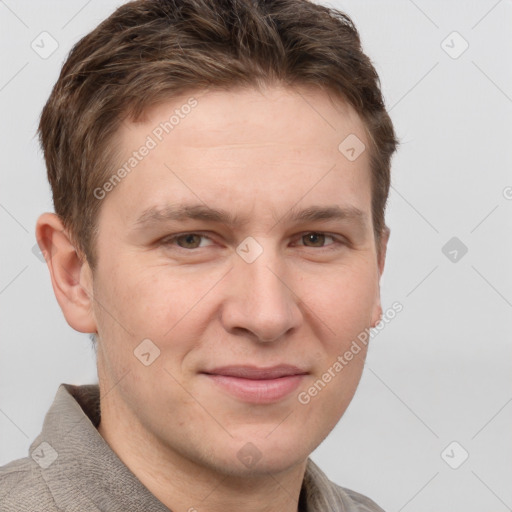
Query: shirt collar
x=87, y=474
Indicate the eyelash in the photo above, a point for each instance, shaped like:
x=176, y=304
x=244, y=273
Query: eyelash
x=168, y=241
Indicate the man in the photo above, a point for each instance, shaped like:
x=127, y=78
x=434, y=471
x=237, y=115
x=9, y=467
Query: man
x=220, y=172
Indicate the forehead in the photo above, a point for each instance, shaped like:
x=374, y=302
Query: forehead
x=226, y=148
x=250, y=114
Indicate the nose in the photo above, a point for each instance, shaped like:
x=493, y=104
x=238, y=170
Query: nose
x=261, y=299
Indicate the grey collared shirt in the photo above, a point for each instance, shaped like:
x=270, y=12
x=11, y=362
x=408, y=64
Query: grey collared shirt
x=71, y=468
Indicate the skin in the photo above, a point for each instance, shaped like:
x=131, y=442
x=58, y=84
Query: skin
x=256, y=154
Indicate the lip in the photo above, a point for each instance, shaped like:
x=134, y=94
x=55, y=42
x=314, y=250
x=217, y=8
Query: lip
x=257, y=385
x=257, y=373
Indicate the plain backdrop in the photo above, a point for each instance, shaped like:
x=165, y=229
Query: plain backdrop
x=437, y=383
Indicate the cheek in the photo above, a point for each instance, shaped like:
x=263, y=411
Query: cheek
x=345, y=300
x=166, y=305
x=345, y=305
x=141, y=297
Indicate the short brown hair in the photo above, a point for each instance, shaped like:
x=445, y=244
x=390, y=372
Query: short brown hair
x=148, y=51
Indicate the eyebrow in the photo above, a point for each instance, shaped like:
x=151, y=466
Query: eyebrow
x=157, y=215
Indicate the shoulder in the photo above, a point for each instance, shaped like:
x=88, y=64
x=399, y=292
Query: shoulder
x=23, y=488
x=324, y=494
x=357, y=502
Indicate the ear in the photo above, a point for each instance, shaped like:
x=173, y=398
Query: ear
x=381, y=260
x=386, y=232
x=69, y=271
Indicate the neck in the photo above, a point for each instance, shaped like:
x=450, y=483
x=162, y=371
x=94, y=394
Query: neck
x=190, y=485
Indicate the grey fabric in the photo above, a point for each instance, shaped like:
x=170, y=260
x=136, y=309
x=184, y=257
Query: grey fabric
x=70, y=468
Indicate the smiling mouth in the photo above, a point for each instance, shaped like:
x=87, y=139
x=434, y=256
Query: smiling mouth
x=257, y=385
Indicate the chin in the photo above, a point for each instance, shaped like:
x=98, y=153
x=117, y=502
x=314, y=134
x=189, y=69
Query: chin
x=269, y=453
x=262, y=467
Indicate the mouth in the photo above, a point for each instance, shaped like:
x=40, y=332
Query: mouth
x=257, y=385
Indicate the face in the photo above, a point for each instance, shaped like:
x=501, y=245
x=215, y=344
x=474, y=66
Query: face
x=236, y=264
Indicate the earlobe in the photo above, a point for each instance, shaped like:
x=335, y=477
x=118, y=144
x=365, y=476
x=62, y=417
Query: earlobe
x=70, y=274
x=377, y=315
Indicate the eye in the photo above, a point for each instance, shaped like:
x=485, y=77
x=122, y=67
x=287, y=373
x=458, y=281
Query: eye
x=316, y=239
x=313, y=239
x=187, y=240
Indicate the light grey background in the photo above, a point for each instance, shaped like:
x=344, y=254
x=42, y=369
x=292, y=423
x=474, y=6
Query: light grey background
x=441, y=370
